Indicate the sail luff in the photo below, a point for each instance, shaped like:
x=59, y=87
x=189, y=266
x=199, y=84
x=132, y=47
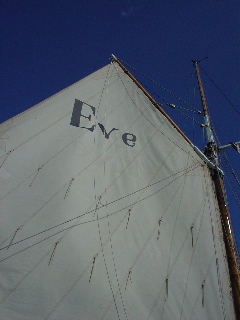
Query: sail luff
x=231, y=250
x=156, y=105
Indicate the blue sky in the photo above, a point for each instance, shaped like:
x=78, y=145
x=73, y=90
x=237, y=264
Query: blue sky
x=48, y=45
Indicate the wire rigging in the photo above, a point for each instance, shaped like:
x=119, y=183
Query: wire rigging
x=109, y=214
x=220, y=91
x=159, y=85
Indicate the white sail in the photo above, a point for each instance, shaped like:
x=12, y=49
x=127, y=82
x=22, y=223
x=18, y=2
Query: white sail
x=107, y=212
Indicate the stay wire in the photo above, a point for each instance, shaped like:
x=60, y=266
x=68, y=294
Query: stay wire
x=158, y=85
x=190, y=168
x=220, y=90
x=94, y=220
x=175, y=107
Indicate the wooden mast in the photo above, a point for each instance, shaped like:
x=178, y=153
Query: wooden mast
x=231, y=251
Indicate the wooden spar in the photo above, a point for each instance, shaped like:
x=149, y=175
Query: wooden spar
x=156, y=105
x=231, y=250
x=232, y=256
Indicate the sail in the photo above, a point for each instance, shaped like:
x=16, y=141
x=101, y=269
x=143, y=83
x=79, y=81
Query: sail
x=107, y=212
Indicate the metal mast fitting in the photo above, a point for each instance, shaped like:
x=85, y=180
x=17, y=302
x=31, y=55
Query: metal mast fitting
x=211, y=152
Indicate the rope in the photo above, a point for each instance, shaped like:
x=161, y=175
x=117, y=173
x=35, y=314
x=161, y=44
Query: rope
x=220, y=91
x=68, y=228
x=158, y=84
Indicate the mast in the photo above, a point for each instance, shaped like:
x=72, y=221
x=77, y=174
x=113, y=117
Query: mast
x=212, y=153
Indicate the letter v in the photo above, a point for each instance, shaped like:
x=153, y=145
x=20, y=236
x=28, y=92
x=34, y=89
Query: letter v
x=105, y=132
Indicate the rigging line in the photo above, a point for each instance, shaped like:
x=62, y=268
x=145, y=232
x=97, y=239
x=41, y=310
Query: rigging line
x=141, y=251
x=81, y=171
x=232, y=186
x=124, y=280
x=188, y=116
x=143, y=248
x=194, y=96
x=169, y=273
x=236, y=197
x=194, y=248
x=220, y=90
x=155, y=110
x=200, y=287
x=158, y=85
x=7, y=155
x=115, y=231
x=190, y=168
x=50, y=125
x=116, y=228
x=180, y=203
x=56, y=154
x=27, y=274
x=174, y=263
x=234, y=191
x=220, y=289
x=83, y=272
x=194, y=111
x=108, y=222
x=228, y=165
x=230, y=168
x=190, y=80
x=135, y=202
x=96, y=210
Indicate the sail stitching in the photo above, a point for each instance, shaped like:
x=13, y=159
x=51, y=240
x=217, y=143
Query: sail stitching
x=52, y=124
x=192, y=167
x=80, y=223
x=77, y=175
x=68, y=188
x=56, y=154
x=99, y=198
x=202, y=207
x=172, y=267
x=77, y=280
x=159, y=224
x=53, y=252
x=99, y=251
x=94, y=259
x=14, y=235
x=106, y=211
x=142, y=250
x=165, y=121
x=8, y=154
x=200, y=289
x=215, y=251
x=35, y=175
x=175, y=223
x=80, y=172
